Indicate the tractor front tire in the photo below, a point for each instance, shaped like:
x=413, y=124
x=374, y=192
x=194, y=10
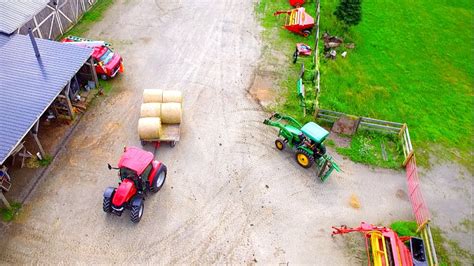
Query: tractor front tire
x=107, y=205
x=159, y=179
x=136, y=212
x=280, y=144
x=304, y=159
x=306, y=33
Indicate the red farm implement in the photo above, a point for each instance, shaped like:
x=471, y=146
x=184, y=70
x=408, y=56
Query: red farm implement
x=297, y=3
x=384, y=247
x=297, y=21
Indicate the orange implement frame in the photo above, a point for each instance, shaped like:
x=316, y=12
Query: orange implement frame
x=383, y=245
x=297, y=21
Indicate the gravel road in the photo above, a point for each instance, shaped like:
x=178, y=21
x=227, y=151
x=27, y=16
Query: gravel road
x=230, y=196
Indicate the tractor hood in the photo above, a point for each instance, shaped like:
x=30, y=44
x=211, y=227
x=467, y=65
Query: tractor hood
x=124, y=192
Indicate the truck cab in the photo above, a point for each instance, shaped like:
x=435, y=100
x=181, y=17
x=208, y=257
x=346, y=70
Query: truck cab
x=107, y=62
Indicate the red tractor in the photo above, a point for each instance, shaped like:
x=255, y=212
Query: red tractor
x=139, y=173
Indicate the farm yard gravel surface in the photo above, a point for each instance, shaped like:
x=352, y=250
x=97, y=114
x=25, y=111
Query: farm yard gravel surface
x=230, y=196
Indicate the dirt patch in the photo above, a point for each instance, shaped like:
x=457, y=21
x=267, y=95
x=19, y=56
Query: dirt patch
x=401, y=194
x=340, y=140
x=262, y=90
x=345, y=125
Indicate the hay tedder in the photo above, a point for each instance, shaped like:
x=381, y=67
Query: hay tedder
x=297, y=21
x=307, y=140
x=384, y=247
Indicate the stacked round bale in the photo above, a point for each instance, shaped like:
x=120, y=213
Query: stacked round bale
x=159, y=106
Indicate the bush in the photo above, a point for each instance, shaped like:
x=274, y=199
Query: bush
x=405, y=228
x=349, y=11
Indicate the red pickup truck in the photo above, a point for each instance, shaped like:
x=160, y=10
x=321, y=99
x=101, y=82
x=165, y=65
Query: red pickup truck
x=107, y=62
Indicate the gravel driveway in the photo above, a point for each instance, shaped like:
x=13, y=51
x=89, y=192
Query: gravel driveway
x=230, y=196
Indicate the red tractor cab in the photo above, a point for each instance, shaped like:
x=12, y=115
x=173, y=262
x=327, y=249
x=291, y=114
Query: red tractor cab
x=138, y=173
x=297, y=3
x=297, y=21
x=107, y=62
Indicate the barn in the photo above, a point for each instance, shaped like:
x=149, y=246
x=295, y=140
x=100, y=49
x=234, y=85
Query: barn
x=48, y=19
x=38, y=76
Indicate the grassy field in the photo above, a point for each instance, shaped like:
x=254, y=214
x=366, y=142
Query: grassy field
x=412, y=63
x=366, y=147
x=278, y=39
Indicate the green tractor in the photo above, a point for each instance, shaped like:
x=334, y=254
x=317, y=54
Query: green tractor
x=307, y=140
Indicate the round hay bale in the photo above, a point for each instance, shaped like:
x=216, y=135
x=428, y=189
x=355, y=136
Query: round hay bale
x=149, y=128
x=152, y=96
x=150, y=110
x=171, y=113
x=172, y=97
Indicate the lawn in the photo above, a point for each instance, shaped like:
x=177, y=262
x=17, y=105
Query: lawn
x=278, y=39
x=413, y=63
x=366, y=147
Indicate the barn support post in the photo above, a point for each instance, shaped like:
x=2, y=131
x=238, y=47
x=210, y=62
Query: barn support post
x=93, y=72
x=4, y=200
x=68, y=100
x=34, y=133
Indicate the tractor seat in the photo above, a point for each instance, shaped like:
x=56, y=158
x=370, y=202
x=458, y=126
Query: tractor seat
x=293, y=130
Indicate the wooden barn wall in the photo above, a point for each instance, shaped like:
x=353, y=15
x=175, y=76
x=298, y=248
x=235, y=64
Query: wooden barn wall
x=54, y=20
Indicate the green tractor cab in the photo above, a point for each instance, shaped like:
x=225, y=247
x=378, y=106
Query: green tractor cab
x=315, y=132
x=307, y=140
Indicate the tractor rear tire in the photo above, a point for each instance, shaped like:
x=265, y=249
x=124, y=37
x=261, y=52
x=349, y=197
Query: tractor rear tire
x=280, y=144
x=136, y=212
x=107, y=205
x=159, y=179
x=304, y=159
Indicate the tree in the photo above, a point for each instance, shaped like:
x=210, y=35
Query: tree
x=349, y=11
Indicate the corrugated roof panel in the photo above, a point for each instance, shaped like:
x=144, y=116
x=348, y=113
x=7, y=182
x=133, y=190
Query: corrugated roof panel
x=15, y=13
x=3, y=39
x=29, y=85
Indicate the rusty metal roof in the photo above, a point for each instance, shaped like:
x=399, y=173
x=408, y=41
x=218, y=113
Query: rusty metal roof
x=29, y=85
x=15, y=13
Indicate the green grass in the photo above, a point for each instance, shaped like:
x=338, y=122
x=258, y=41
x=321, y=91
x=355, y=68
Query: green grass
x=106, y=86
x=412, y=63
x=366, y=148
x=89, y=18
x=448, y=251
x=9, y=214
x=46, y=160
x=405, y=228
x=284, y=42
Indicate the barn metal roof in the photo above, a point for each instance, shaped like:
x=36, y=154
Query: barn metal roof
x=13, y=14
x=28, y=86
